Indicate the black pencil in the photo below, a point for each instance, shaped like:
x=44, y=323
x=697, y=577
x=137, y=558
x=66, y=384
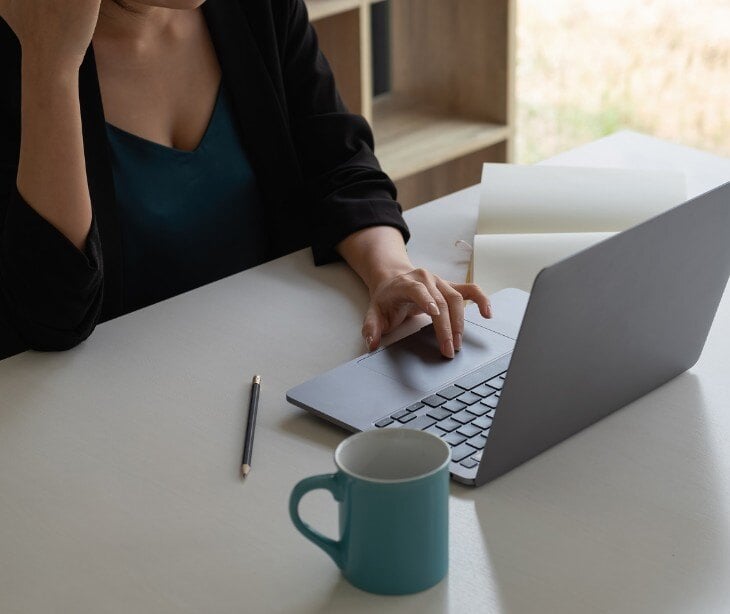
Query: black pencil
x=253, y=406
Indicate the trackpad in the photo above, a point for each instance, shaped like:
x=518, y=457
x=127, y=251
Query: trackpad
x=416, y=360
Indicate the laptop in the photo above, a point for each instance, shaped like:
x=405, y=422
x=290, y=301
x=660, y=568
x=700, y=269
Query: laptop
x=598, y=330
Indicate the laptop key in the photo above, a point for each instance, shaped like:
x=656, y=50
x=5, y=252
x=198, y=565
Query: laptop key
x=453, y=405
x=415, y=407
x=491, y=401
x=421, y=423
x=434, y=400
x=460, y=452
x=450, y=392
x=483, y=422
x=469, y=430
x=478, y=456
x=468, y=398
x=463, y=417
x=470, y=463
x=434, y=430
x=453, y=438
x=407, y=418
x=384, y=422
x=496, y=383
x=478, y=409
x=483, y=390
x=438, y=413
x=448, y=425
x=477, y=441
x=471, y=380
x=399, y=414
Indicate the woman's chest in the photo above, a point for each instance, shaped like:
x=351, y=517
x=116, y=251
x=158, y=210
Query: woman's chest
x=165, y=94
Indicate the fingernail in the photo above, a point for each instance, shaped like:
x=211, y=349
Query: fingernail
x=433, y=309
x=449, y=349
x=368, y=342
x=457, y=341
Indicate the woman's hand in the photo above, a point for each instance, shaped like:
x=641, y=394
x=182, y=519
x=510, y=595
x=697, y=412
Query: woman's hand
x=398, y=290
x=418, y=291
x=56, y=33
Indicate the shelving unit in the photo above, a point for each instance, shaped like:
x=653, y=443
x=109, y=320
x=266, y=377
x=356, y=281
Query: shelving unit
x=451, y=102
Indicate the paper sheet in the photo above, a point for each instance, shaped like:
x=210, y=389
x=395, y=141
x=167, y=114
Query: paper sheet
x=514, y=260
x=522, y=199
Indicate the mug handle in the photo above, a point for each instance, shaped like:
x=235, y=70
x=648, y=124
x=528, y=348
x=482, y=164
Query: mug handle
x=327, y=482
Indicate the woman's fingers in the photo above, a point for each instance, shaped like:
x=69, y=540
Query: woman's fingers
x=422, y=291
x=416, y=291
x=472, y=292
x=372, y=327
x=455, y=304
x=442, y=320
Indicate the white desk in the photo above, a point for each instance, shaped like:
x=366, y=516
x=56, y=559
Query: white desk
x=119, y=460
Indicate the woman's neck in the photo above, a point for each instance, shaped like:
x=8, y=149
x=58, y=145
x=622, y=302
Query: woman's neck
x=140, y=26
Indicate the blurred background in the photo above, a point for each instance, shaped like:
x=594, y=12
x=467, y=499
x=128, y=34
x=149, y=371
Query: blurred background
x=450, y=84
x=586, y=68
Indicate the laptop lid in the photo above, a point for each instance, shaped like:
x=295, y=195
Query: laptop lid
x=608, y=325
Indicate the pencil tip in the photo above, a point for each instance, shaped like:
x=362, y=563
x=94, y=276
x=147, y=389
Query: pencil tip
x=245, y=469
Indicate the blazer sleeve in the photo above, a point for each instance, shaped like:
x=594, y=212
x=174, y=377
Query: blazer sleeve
x=50, y=292
x=345, y=184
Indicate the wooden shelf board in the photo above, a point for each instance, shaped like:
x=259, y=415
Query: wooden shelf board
x=319, y=9
x=410, y=139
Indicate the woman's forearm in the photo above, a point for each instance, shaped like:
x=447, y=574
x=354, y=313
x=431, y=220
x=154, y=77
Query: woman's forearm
x=52, y=170
x=376, y=254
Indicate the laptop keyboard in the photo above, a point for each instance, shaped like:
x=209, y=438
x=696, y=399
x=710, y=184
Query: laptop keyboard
x=460, y=414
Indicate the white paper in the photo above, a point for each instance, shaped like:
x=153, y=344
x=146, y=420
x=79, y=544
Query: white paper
x=523, y=199
x=514, y=260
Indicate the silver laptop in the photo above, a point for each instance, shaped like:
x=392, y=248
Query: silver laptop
x=599, y=329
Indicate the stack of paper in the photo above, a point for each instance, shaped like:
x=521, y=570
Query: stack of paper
x=533, y=216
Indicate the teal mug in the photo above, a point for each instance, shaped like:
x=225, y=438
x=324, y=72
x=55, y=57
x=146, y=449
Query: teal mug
x=393, y=489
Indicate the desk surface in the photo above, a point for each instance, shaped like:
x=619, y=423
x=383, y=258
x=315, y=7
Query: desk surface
x=119, y=460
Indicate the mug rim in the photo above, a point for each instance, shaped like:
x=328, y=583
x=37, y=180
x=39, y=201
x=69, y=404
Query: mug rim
x=412, y=433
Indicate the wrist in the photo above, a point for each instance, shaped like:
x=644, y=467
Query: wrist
x=382, y=272
x=37, y=68
x=377, y=254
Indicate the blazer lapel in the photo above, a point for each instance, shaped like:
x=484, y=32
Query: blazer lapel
x=262, y=122
x=101, y=185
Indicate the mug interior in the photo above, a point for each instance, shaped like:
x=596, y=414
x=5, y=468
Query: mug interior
x=392, y=455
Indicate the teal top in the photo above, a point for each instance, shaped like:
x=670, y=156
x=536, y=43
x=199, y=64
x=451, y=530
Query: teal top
x=187, y=217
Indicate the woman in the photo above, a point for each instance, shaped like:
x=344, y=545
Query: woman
x=150, y=146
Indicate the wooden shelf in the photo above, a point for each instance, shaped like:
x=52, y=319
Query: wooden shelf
x=319, y=9
x=410, y=139
x=451, y=100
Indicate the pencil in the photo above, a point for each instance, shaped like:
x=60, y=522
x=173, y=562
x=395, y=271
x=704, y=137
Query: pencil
x=253, y=406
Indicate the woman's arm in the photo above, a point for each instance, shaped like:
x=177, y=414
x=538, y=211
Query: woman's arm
x=54, y=37
x=51, y=169
x=346, y=190
x=399, y=290
x=353, y=201
x=50, y=260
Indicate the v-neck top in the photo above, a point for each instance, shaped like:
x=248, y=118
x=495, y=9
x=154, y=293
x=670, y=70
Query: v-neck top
x=187, y=217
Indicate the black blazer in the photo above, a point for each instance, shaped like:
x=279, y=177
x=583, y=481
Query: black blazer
x=313, y=161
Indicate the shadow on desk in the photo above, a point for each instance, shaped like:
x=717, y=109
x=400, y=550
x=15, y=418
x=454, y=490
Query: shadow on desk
x=309, y=427
x=635, y=526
